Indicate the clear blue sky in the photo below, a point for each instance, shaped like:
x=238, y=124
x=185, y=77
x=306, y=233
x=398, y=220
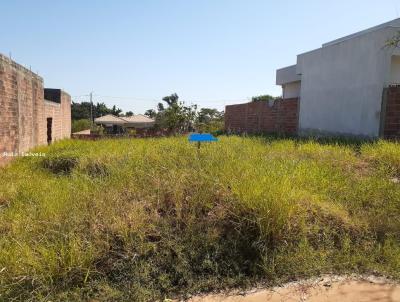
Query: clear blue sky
x=210, y=52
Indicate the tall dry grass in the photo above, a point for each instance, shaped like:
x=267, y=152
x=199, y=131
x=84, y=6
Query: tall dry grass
x=145, y=219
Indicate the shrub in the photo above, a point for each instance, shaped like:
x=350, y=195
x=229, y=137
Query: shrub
x=80, y=125
x=211, y=127
x=96, y=168
x=60, y=164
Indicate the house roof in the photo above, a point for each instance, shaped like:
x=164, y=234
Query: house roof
x=109, y=119
x=138, y=120
x=83, y=132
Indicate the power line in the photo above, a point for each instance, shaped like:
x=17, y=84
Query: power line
x=78, y=96
x=158, y=100
x=155, y=100
x=125, y=97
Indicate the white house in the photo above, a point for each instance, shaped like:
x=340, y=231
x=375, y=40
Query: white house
x=340, y=86
x=115, y=124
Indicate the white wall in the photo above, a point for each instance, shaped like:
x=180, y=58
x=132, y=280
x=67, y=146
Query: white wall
x=395, y=70
x=291, y=90
x=342, y=84
x=287, y=75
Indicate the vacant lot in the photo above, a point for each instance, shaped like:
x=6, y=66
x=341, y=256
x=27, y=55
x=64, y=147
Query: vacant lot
x=142, y=220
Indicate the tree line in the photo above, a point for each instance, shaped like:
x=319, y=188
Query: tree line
x=171, y=114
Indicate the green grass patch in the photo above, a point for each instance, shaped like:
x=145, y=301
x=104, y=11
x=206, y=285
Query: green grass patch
x=147, y=219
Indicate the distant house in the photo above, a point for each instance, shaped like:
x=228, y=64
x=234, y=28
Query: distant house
x=115, y=124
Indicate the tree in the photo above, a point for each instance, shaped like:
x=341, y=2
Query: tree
x=100, y=109
x=160, y=107
x=393, y=42
x=129, y=113
x=115, y=111
x=171, y=99
x=82, y=110
x=207, y=115
x=210, y=120
x=175, y=116
x=263, y=98
x=151, y=113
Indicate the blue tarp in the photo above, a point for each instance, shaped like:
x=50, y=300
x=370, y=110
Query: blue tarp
x=202, y=137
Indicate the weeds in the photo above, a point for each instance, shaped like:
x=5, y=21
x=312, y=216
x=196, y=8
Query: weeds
x=60, y=164
x=144, y=220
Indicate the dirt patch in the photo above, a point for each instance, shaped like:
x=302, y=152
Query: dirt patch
x=327, y=289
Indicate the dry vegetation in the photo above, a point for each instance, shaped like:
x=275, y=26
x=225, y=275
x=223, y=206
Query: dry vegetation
x=146, y=219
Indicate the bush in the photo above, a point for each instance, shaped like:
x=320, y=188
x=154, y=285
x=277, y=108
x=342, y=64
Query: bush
x=96, y=168
x=60, y=164
x=80, y=125
x=211, y=127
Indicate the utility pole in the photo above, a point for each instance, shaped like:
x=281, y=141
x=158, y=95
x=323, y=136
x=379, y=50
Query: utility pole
x=91, y=107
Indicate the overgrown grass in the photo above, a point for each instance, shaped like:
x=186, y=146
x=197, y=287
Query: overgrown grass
x=146, y=219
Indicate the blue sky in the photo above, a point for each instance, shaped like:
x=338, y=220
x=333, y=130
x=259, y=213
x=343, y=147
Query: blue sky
x=210, y=52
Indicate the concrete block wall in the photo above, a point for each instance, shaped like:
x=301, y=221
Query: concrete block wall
x=392, y=113
x=60, y=112
x=280, y=116
x=66, y=114
x=53, y=110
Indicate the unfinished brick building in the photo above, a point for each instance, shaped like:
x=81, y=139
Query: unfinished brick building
x=30, y=115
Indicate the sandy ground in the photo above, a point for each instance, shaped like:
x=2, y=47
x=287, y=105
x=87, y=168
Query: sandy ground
x=326, y=289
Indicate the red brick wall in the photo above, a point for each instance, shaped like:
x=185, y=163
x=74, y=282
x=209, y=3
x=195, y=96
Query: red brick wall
x=280, y=116
x=21, y=103
x=9, y=108
x=22, y=110
x=392, y=113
